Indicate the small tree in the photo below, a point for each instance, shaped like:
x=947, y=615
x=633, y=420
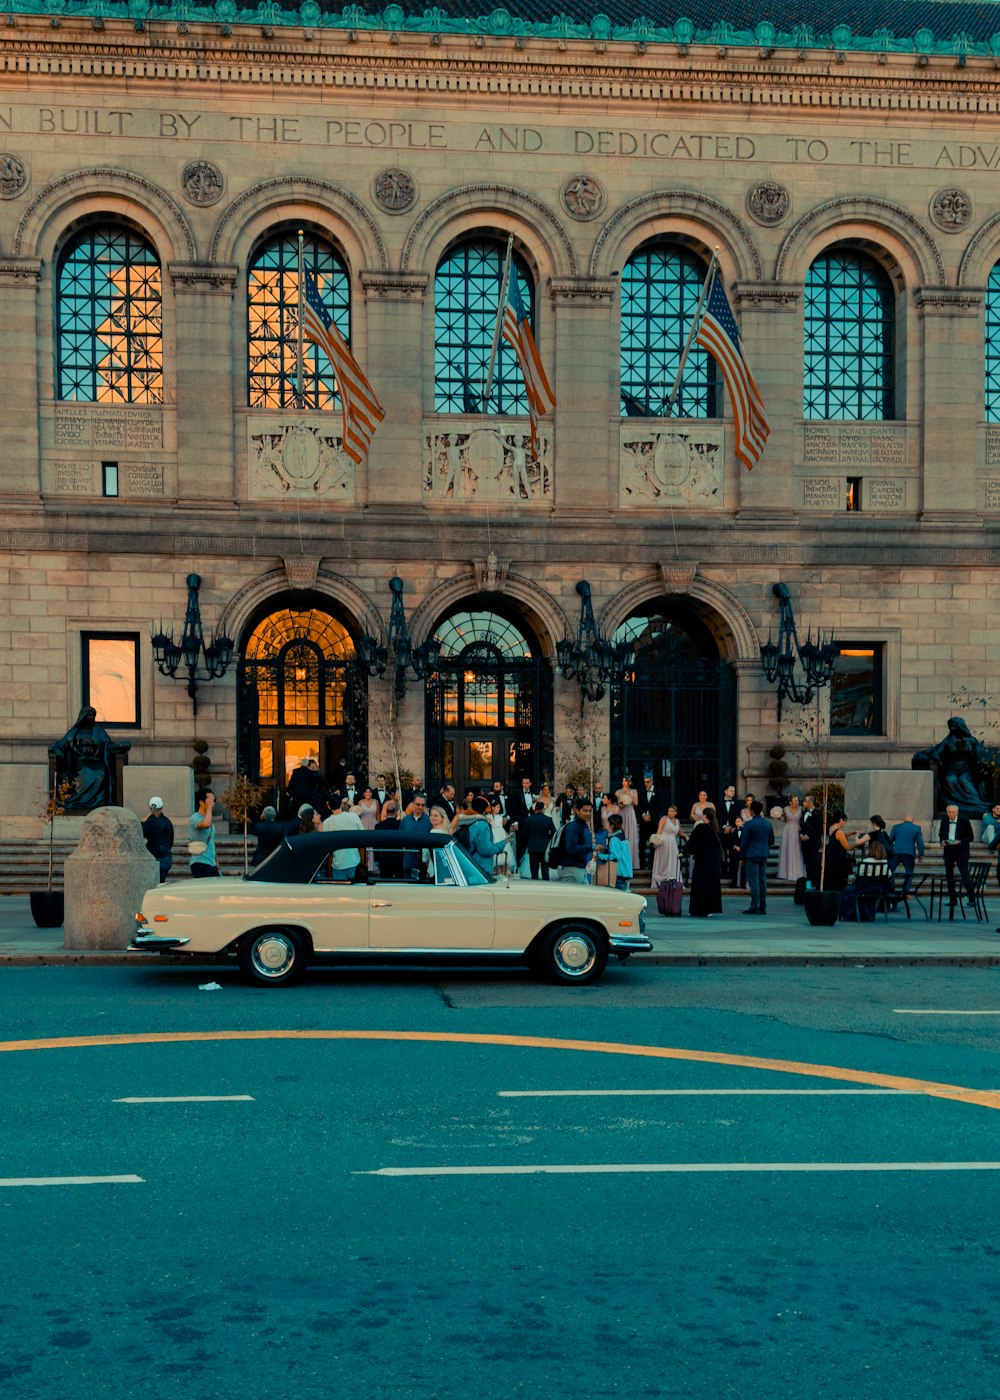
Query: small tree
x=809, y=731
x=54, y=805
x=243, y=797
x=383, y=714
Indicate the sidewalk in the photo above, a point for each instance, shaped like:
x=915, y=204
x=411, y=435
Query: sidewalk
x=783, y=938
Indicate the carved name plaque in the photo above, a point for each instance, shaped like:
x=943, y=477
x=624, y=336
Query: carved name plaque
x=855, y=444
x=142, y=479
x=487, y=464
x=886, y=495
x=822, y=493
x=992, y=501
x=299, y=458
x=679, y=465
x=74, y=478
x=993, y=447
x=93, y=425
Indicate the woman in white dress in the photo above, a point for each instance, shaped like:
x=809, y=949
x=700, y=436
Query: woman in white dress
x=666, y=856
x=791, y=865
x=626, y=797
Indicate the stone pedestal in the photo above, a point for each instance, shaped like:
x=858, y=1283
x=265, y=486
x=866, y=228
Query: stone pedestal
x=892, y=793
x=105, y=880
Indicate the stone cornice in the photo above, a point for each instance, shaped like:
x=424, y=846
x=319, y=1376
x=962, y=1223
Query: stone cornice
x=768, y=296
x=583, y=289
x=395, y=286
x=203, y=277
x=949, y=301
x=20, y=269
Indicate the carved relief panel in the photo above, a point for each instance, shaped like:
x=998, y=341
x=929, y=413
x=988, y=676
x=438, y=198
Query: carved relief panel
x=473, y=462
x=291, y=459
x=672, y=463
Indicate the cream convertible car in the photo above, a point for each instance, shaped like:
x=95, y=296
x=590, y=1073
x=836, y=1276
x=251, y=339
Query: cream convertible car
x=418, y=903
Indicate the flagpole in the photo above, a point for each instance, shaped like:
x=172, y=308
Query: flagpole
x=298, y=352
x=496, y=329
x=712, y=269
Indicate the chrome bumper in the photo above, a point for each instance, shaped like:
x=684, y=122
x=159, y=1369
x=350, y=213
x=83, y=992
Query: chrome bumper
x=629, y=943
x=147, y=942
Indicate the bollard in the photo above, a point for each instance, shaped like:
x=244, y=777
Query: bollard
x=105, y=880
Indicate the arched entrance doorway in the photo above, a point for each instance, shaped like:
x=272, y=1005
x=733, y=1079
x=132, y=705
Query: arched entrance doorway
x=301, y=693
x=673, y=717
x=489, y=704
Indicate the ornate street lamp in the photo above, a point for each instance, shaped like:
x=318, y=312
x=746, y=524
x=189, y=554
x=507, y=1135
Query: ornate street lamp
x=398, y=649
x=191, y=650
x=778, y=659
x=592, y=659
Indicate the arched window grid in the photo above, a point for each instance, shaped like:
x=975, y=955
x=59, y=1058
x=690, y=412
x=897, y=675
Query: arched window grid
x=273, y=322
x=466, y=299
x=992, y=346
x=660, y=288
x=486, y=629
x=109, y=324
x=849, y=340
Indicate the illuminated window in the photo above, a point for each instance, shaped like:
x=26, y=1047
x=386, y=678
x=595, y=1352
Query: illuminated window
x=849, y=339
x=109, y=340
x=853, y=493
x=660, y=287
x=466, y=299
x=296, y=661
x=856, y=689
x=111, y=676
x=273, y=323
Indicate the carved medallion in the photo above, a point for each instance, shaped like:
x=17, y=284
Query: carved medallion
x=395, y=190
x=768, y=202
x=13, y=176
x=951, y=210
x=583, y=197
x=202, y=182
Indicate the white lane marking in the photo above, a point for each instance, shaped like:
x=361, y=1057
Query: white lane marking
x=907, y=1011
x=606, y=1168
x=648, y=1093
x=67, y=1180
x=194, y=1098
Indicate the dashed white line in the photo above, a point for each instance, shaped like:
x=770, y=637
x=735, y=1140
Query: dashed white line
x=68, y=1180
x=193, y=1098
x=613, y=1168
x=910, y=1011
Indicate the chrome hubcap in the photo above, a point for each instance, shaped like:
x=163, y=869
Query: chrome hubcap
x=575, y=954
x=273, y=955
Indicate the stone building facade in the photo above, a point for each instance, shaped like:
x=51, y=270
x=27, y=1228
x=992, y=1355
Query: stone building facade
x=393, y=140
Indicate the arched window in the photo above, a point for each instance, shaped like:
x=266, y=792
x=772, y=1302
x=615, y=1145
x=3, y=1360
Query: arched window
x=660, y=287
x=295, y=660
x=849, y=338
x=109, y=333
x=466, y=298
x=273, y=322
x=993, y=346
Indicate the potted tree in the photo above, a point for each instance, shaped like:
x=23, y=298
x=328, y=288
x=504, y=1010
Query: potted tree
x=48, y=905
x=822, y=906
x=243, y=798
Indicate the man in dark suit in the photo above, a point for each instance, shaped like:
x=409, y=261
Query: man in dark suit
x=756, y=840
x=350, y=790
x=446, y=799
x=498, y=795
x=727, y=809
x=955, y=835
x=519, y=804
x=381, y=790
x=811, y=839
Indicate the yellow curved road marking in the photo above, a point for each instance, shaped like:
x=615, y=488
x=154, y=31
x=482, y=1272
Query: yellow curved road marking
x=985, y=1098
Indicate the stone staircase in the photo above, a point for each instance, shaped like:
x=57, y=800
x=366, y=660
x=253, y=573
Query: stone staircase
x=24, y=865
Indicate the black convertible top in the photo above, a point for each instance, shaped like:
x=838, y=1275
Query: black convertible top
x=296, y=860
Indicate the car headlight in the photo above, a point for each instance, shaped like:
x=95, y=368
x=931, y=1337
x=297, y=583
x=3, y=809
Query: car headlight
x=642, y=919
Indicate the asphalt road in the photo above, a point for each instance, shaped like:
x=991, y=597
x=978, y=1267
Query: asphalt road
x=442, y=1218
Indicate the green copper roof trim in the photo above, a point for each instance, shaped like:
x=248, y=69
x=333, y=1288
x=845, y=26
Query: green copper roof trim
x=501, y=23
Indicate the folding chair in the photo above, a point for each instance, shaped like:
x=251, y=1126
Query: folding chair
x=979, y=873
x=870, y=898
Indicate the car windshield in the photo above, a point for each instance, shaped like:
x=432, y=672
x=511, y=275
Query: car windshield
x=471, y=872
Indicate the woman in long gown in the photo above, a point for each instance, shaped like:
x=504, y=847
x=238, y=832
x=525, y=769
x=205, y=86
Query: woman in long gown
x=626, y=798
x=791, y=865
x=368, y=810
x=666, y=856
x=705, y=849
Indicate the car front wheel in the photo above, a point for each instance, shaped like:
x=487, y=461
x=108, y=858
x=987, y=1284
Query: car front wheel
x=272, y=957
x=574, y=953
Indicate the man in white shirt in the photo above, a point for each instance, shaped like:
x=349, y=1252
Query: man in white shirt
x=348, y=858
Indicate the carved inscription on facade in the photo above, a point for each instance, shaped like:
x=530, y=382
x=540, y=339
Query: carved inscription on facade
x=94, y=425
x=142, y=479
x=74, y=478
x=992, y=501
x=887, y=494
x=822, y=493
x=297, y=459
x=854, y=444
x=993, y=447
x=676, y=466
x=487, y=464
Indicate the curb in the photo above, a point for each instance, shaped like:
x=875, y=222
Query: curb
x=856, y=960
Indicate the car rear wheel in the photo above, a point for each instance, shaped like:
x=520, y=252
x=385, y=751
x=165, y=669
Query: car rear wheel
x=272, y=957
x=574, y=953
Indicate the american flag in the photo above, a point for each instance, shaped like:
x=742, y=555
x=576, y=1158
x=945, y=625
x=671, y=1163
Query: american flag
x=361, y=408
x=517, y=333
x=720, y=336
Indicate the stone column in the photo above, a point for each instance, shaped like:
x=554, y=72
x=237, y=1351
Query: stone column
x=20, y=468
x=580, y=369
x=950, y=400
x=394, y=356
x=207, y=370
x=105, y=879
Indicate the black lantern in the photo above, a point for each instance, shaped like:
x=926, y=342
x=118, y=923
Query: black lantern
x=592, y=659
x=422, y=660
x=778, y=659
x=192, y=650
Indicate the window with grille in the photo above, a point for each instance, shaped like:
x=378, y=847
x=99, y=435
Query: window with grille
x=849, y=339
x=466, y=298
x=109, y=334
x=273, y=323
x=993, y=346
x=660, y=287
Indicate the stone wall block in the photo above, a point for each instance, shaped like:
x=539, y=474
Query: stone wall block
x=105, y=880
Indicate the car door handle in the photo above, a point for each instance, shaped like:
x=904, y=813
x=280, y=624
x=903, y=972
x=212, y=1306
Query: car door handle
x=381, y=903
